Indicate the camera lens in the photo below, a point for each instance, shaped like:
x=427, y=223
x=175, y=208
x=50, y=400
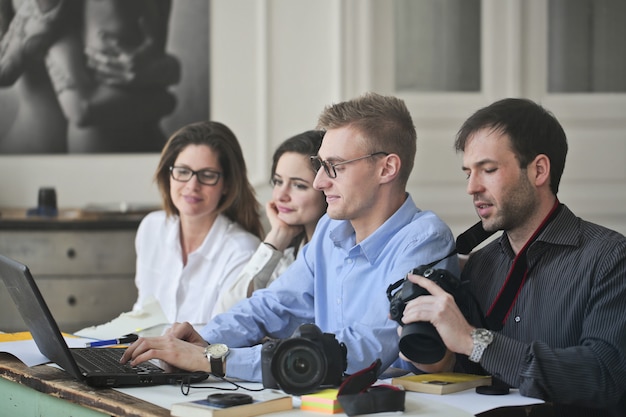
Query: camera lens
x=421, y=343
x=298, y=366
x=301, y=365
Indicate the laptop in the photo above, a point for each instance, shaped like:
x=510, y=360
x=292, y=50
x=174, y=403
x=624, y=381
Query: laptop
x=98, y=367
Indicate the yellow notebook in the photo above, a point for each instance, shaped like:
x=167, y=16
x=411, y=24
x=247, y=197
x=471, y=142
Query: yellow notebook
x=16, y=337
x=441, y=383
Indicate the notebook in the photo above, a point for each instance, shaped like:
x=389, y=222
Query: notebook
x=98, y=367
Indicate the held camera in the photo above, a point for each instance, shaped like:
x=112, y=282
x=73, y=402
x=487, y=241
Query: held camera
x=420, y=341
x=304, y=362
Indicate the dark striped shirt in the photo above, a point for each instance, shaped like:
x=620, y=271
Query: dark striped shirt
x=565, y=339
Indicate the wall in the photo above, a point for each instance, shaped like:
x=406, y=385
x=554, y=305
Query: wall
x=277, y=63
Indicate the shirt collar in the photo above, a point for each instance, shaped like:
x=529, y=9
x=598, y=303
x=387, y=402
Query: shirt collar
x=218, y=228
x=562, y=230
x=344, y=236
x=172, y=236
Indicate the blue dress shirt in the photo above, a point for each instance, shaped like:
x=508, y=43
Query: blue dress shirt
x=341, y=287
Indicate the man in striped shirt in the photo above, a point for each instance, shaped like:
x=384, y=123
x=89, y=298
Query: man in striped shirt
x=553, y=286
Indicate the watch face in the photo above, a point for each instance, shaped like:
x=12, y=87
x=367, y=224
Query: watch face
x=483, y=335
x=217, y=350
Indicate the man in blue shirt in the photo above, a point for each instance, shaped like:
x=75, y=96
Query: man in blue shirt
x=371, y=236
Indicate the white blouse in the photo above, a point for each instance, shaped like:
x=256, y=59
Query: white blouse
x=190, y=292
x=265, y=266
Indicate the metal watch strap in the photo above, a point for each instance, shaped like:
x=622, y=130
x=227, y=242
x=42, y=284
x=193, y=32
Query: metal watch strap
x=481, y=338
x=477, y=352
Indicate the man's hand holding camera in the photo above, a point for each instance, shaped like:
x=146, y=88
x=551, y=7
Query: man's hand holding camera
x=440, y=309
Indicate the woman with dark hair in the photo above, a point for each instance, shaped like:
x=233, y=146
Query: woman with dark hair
x=293, y=213
x=191, y=252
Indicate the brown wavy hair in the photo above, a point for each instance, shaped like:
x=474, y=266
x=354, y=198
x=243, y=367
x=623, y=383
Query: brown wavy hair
x=239, y=203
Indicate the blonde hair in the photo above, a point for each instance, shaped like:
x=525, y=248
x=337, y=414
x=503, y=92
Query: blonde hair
x=385, y=123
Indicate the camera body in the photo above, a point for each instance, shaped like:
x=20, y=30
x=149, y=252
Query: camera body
x=410, y=291
x=303, y=362
x=420, y=341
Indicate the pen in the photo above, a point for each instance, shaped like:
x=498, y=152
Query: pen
x=128, y=338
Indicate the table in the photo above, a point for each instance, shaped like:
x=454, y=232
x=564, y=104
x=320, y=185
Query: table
x=49, y=391
x=45, y=390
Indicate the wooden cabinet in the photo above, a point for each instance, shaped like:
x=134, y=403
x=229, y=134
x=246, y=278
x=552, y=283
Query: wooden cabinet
x=83, y=265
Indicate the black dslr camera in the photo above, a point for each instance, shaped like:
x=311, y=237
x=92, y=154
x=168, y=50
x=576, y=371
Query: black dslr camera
x=420, y=341
x=304, y=362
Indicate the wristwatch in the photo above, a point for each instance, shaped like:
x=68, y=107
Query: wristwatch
x=216, y=354
x=481, y=338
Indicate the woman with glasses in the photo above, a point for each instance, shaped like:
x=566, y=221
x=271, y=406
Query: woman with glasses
x=189, y=253
x=293, y=213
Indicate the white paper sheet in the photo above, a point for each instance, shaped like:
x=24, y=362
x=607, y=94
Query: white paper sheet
x=28, y=352
x=149, y=321
x=475, y=403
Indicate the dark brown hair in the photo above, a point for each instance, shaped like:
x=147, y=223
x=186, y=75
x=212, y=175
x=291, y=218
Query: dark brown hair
x=239, y=203
x=532, y=130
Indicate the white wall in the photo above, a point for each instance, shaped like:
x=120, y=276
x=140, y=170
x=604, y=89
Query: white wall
x=276, y=63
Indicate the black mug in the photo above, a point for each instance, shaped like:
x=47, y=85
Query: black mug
x=47, y=198
x=46, y=203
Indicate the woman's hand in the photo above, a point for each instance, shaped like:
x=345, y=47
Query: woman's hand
x=281, y=234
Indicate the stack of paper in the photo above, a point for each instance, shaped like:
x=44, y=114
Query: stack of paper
x=324, y=401
x=149, y=321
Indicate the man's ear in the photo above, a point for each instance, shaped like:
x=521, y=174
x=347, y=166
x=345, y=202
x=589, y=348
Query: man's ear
x=541, y=169
x=390, y=168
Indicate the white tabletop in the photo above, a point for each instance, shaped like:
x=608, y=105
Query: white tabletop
x=459, y=404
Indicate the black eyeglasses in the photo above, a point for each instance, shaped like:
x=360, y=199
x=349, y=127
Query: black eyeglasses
x=329, y=167
x=204, y=176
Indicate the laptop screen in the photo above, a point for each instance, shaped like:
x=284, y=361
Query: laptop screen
x=36, y=314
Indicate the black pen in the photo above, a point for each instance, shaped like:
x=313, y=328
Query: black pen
x=128, y=338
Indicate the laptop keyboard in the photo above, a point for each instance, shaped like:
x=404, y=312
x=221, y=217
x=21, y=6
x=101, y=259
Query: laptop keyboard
x=108, y=360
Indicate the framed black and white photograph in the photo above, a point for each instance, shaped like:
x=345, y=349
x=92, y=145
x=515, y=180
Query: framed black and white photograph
x=100, y=76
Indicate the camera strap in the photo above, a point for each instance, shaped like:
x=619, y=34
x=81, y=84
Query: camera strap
x=503, y=304
x=357, y=394
x=466, y=242
x=472, y=237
